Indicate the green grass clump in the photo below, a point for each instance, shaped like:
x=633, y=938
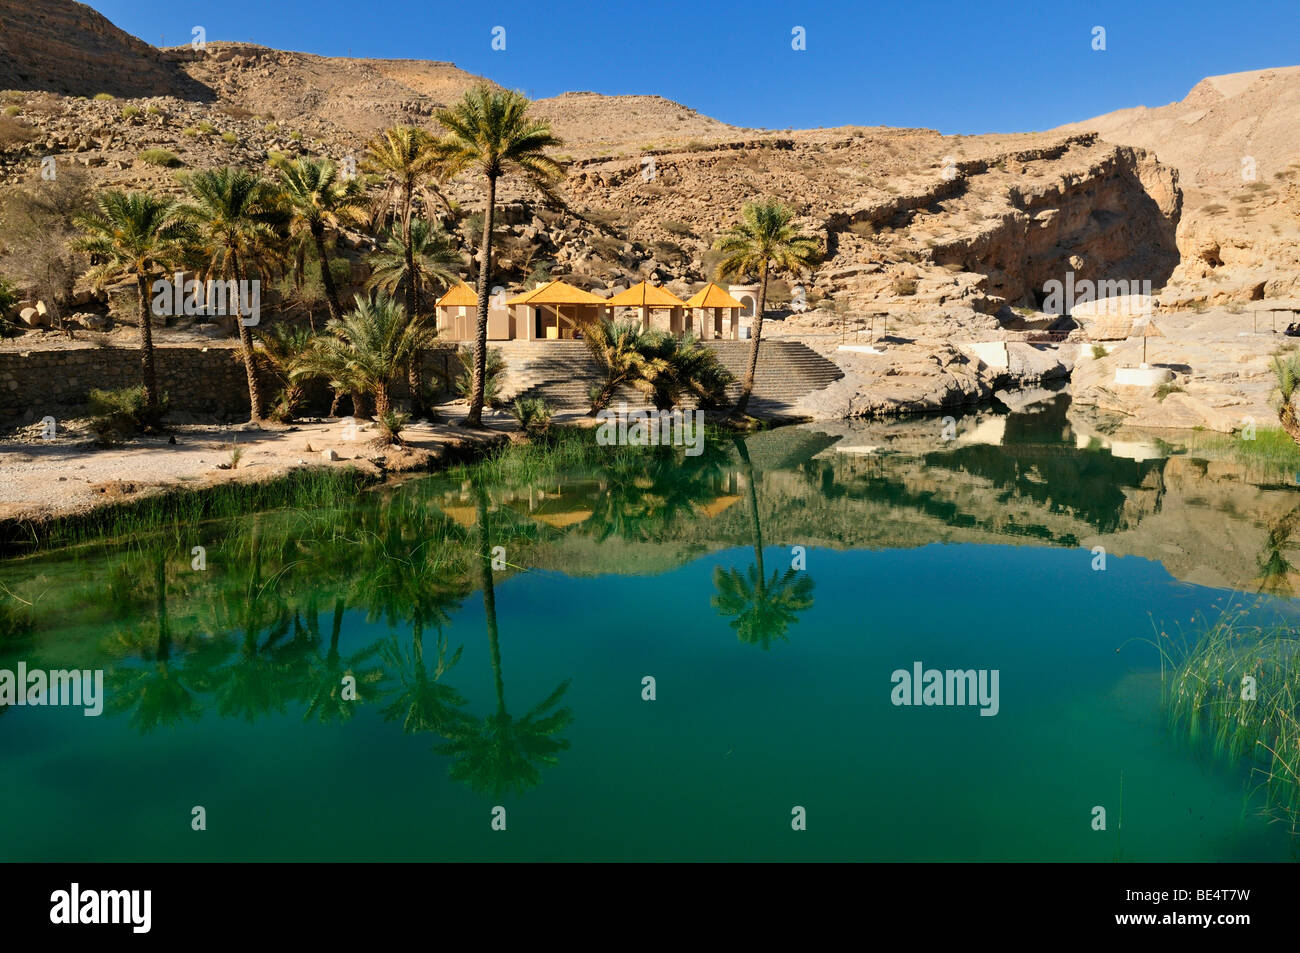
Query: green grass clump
x=121, y=414
x=12, y=111
x=104, y=97
x=1098, y=352
x=161, y=157
x=1164, y=390
x=229, y=137
x=154, y=110
x=206, y=128
x=1236, y=689
x=130, y=112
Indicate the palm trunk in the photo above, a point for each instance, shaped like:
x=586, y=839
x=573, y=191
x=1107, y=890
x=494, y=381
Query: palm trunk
x=246, y=345
x=490, y=600
x=382, y=401
x=747, y=387
x=414, y=367
x=755, y=527
x=326, y=277
x=147, y=371
x=475, y=417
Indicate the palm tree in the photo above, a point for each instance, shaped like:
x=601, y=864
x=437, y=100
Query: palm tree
x=1287, y=371
x=370, y=346
x=618, y=346
x=433, y=255
x=135, y=235
x=762, y=241
x=489, y=132
x=320, y=203
x=241, y=218
x=408, y=158
x=288, y=352
x=762, y=608
x=690, y=368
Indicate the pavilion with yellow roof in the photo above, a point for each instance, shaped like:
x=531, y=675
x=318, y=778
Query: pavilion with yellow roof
x=646, y=297
x=555, y=311
x=457, y=313
x=709, y=303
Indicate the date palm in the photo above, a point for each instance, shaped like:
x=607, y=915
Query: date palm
x=412, y=165
x=241, y=221
x=288, y=352
x=368, y=347
x=134, y=235
x=1287, y=371
x=763, y=241
x=320, y=203
x=434, y=258
x=490, y=134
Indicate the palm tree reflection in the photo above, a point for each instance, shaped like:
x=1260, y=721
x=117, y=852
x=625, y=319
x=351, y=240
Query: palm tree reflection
x=501, y=752
x=761, y=609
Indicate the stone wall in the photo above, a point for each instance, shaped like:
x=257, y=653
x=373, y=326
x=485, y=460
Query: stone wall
x=205, y=380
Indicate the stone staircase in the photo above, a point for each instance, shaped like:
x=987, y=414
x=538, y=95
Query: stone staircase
x=562, y=373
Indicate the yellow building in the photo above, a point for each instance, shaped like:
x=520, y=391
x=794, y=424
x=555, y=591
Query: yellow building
x=457, y=312
x=555, y=311
x=646, y=298
x=708, y=306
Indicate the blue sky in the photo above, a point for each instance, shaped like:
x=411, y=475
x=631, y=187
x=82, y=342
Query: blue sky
x=960, y=67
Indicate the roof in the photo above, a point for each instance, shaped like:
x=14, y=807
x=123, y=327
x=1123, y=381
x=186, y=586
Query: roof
x=646, y=295
x=458, y=296
x=711, y=296
x=557, y=292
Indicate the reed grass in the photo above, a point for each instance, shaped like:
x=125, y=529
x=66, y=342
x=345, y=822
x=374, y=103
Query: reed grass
x=1235, y=688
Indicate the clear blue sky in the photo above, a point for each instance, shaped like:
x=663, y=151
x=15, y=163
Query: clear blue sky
x=960, y=67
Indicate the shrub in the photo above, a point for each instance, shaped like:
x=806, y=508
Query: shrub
x=391, y=425
x=229, y=137
x=271, y=127
x=154, y=110
x=130, y=112
x=12, y=111
x=206, y=128
x=674, y=227
x=495, y=367
x=161, y=157
x=121, y=414
x=104, y=97
x=1098, y=352
x=1164, y=390
x=14, y=132
x=189, y=132
x=532, y=415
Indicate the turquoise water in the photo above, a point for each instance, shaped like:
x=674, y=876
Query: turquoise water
x=522, y=688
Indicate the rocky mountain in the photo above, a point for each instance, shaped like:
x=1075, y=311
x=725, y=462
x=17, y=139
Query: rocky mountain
x=947, y=227
x=67, y=48
x=1232, y=140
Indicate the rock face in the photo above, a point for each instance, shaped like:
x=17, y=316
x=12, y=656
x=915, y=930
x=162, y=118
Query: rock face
x=68, y=48
x=1232, y=140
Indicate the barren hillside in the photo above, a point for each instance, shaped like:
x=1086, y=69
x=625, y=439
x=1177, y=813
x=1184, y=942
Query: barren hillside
x=1232, y=140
